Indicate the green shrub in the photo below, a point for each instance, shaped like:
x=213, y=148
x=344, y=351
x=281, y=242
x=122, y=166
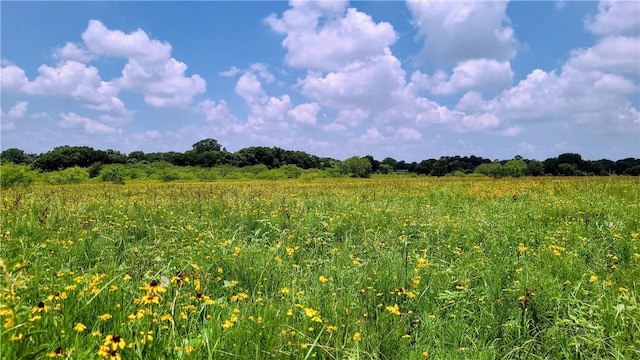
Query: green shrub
x=15, y=175
x=94, y=169
x=113, y=174
x=291, y=171
x=169, y=176
x=74, y=175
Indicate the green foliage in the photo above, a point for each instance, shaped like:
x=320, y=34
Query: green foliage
x=291, y=171
x=206, y=145
x=495, y=170
x=15, y=175
x=355, y=167
x=74, y=175
x=385, y=168
x=535, y=168
x=515, y=168
x=169, y=176
x=95, y=169
x=15, y=156
x=114, y=174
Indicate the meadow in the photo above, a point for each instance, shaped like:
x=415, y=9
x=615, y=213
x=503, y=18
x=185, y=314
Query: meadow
x=380, y=268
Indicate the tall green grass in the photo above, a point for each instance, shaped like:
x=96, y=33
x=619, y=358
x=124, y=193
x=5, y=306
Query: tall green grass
x=394, y=268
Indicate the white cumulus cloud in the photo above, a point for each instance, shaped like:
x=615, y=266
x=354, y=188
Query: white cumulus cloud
x=477, y=74
x=616, y=18
x=71, y=120
x=455, y=31
x=305, y=113
x=336, y=41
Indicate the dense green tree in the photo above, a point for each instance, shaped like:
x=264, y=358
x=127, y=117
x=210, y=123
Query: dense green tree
x=515, y=168
x=425, y=166
x=391, y=162
x=375, y=164
x=356, y=167
x=385, y=169
x=494, y=169
x=206, y=145
x=535, y=168
x=136, y=156
x=15, y=156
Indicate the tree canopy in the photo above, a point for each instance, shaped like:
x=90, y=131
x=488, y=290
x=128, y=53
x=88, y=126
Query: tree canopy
x=209, y=153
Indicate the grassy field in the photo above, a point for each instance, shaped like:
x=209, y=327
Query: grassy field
x=395, y=268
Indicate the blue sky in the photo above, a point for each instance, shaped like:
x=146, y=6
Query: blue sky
x=410, y=80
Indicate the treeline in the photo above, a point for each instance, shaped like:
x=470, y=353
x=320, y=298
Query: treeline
x=209, y=153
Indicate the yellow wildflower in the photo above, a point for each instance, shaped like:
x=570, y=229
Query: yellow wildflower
x=357, y=336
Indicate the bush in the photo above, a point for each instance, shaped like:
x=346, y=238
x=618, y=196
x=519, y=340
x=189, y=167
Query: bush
x=291, y=171
x=113, y=174
x=15, y=175
x=169, y=176
x=74, y=175
x=275, y=174
x=94, y=169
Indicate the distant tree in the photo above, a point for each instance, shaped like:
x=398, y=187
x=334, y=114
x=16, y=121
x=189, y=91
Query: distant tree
x=136, y=156
x=567, y=169
x=633, y=171
x=375, y=164
x=425, y=166
x=551, y=166
x=391, y=162
x=535, y=168
x=385, y=169
x=515, y=168
x=570, y=158
x=603, y=167
x=114, y=157
x=494, y=169
x=439, y=167
x=206, y=145
x=623, y=164
x=356, y=167
x=16, y=156
x=63, y=157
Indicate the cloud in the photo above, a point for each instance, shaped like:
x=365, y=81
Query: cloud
x=263, y=73
x=372, y=136
x=249, y=88
x=615, y=18
x=455, y=31
x=369, y=84
x=271, y=113
x=150, y=69
x=305, y=113
x=135, y=45
x=72, y=120
x=347, y=118
x=233, y=71
x=79, y=82
x=408, y=134
x=71, y=51
x=162, y=86
x=18, y=111
x=617, y=54
x=218, y=112
x=478, y=75
x=321, y=36
x=12, y=77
